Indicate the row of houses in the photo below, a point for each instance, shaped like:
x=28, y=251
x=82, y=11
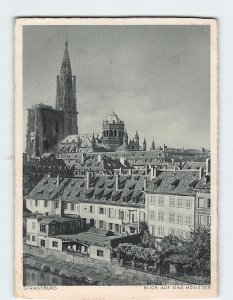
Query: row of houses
x=171, y=202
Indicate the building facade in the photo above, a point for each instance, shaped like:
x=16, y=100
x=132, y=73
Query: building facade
x=170, y=203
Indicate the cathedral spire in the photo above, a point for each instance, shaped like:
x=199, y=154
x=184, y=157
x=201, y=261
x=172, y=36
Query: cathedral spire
x=153, y=145
x=66, y=66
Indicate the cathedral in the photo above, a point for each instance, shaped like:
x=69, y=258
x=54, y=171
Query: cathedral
x=55, y=129
x=47, y=126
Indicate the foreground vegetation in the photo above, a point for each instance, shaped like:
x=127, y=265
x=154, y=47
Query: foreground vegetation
x=193, y=253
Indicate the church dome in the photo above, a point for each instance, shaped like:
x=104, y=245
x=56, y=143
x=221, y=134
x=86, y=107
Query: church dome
x=113, y=119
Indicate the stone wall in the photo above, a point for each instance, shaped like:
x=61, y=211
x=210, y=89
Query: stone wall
x=113, y=268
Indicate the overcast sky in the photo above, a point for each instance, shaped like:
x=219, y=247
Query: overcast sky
x=156, y=78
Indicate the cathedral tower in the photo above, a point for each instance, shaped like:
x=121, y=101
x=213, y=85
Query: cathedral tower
x=66, y=95
x=113, y=131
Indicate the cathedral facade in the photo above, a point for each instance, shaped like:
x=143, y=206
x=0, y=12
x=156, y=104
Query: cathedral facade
x=47, y=126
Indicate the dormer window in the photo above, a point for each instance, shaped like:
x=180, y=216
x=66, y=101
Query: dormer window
x=175, y=182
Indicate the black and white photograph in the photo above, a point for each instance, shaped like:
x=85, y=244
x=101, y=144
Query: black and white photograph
x=116, y=156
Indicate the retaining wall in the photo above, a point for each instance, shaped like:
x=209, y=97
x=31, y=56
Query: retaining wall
x=113, y=268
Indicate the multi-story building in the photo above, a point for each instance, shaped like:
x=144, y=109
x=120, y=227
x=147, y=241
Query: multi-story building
x=113, y=202
x=203, y=199
x=170, y=203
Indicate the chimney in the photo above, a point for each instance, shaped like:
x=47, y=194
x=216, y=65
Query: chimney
x=207, y=166
x=62, y=209
x=88, y=179
x=130, y=171
x=122, y=160
x=99, y=158
x=58, y=180
x=83, y=157
x=152, y=172
x=117, y=181
x=145, y=184
x=200, y=173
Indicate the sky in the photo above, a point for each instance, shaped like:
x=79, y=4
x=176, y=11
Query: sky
x=156, y=78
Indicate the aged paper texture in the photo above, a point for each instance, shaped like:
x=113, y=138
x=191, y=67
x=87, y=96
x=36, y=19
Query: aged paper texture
x=115, y=158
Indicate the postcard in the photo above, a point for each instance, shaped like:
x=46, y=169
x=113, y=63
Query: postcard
x=116, y=123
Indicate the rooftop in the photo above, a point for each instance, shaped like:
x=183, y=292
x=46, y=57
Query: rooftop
x=174, y=183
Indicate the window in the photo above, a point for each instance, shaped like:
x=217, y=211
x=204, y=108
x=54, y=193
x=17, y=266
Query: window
x=161, y=202
x=180, y=219
x=101, y=224
x=208, y=203
x=171, y=201
x=180, y=233
x=101, y=210
x=55, y=244
x=42, y=228
x=121, y=214
x=72, y=206
x=180, y=202
x=172, y=218
x=188, y=220
x=152, y=199
x=33, y=225
x=208, y=220
x=161, y=216
x=201, y=202
x=111, y=213
x=36, y=203
x=152, y=229
x=56, y=204
x=172, y=231
x=117, y=228
x=160, y=231
x=91, y=209
x=65, y=205
x=42, y=243
x=33, y=238
x=152, y=214
x=188, y=203
x=100, y=253
x=110, y=226
x=200, y=220
x=45, y=203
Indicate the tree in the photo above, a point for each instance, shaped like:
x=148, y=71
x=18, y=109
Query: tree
x=197, y=249
x=146, y=238
x=194, y=250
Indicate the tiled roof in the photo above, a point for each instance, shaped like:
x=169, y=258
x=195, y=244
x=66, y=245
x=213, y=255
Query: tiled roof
x=191, y=165
x=204, y=183
x=94, y=162
x=177, y=258
x=75, y=190
x=48, y=219
x=174, y=183
x=48, y=188
x=91, y=237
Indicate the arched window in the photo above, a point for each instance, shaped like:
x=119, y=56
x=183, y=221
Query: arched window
x=115, y=132
x=111, y=133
